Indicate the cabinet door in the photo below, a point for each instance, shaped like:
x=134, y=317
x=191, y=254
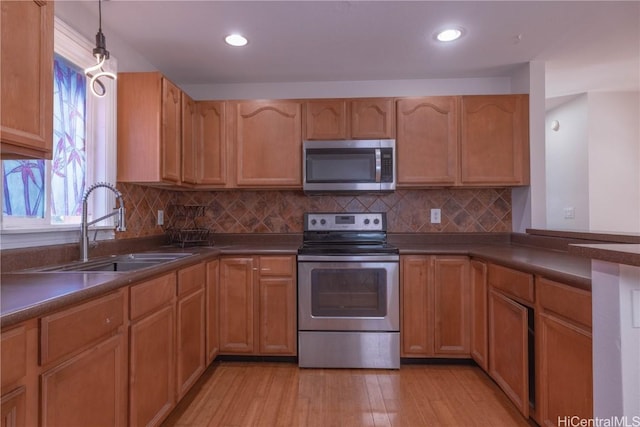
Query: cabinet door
x=269, y=143
x=13, y=411
x=566, y=371
x=326, y=119
x=478, y=288
x=26, y=79
x=416, y=331
x=191, y=333
x=88, y=389
x=373, y=118
x=508, y=348
x=236, y=305
x=495, y=140
x=211, y=162
x=213, y=343
x=189, y=140
x=171, y=145
x=152, y=391
x=451, y=306
x=427, y=142
x=277, y=306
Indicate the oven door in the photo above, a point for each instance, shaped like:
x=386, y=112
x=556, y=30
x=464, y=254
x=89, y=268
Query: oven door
x=346, y=293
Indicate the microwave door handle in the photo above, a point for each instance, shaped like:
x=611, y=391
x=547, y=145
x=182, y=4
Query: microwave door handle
x=378, y=165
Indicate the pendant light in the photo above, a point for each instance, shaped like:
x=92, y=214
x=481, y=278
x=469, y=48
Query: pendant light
x=100, y=52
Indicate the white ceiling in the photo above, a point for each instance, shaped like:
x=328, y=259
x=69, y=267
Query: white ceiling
x=586, y=45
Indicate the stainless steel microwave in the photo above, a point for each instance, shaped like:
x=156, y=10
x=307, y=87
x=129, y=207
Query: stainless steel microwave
x=350, y=166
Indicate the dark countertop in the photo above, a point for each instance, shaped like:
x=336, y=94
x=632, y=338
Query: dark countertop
x=611, y=252
x=26, y=295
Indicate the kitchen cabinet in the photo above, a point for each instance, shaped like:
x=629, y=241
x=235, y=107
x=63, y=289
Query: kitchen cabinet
x=494, y=140
x=359, y=118
x=564, y=353
x=211, y=293
x=257, y=305
x=152, y=350
x=191, y=327
x=190, y=145
x=427, y=140
x=19, y=376
x=510, y=318
x=478, y=289
x=149, y=129
x=84, y=379
x=268, y=143
x=26, y=79
x=277, y=309
x=434, y=306
x=373, y=118
x=211, y=167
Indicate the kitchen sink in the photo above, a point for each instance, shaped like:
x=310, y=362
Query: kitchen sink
x=119, y=263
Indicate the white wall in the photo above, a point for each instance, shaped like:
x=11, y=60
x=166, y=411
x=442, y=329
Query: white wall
x=567, y=162
x=593, y=162
x=614, y=161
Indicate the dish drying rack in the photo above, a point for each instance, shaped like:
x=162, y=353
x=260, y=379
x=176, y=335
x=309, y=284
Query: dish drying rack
x=186, y=226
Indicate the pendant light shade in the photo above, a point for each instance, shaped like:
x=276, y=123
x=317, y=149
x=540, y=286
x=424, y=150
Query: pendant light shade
x=100, y=52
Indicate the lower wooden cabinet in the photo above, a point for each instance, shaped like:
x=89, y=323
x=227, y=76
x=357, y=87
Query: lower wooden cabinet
x=257, y=305
x=434, y=306
x=509, y=348
x=478, y=296
x=190, y=329
x=85, y=373
x=14, y=408
x=152, y=348
x=565, y=361
x=212, y=292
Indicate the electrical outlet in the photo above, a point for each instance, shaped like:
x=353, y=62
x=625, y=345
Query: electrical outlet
x=160, y=217
x=435, y=216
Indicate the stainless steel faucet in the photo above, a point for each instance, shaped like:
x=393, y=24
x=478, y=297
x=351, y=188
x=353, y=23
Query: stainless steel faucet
x=84, y=231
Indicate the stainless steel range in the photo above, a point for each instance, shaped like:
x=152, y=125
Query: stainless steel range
x=348, y=293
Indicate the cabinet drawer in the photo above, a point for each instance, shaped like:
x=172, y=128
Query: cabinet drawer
x=14, y=355
x=69, y=331
x=276, y=266
x=566, y=301
x=191, y=279
x=151, y=295
x=513, y=282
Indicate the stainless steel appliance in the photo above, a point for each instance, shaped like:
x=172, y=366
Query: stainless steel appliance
x=349, y=166
x=348, y=293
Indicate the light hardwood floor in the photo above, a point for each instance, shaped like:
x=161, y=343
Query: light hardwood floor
x=281, y=394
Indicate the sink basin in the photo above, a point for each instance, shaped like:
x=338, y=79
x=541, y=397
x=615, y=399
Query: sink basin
x=121, y=263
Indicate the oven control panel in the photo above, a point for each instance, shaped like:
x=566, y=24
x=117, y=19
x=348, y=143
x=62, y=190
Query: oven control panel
x=369, y=221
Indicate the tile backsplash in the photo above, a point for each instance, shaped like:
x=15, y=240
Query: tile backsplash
x=462, y=210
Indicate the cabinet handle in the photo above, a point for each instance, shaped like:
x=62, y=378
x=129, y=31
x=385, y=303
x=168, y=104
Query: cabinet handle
x=265, y=269
x=255, y=268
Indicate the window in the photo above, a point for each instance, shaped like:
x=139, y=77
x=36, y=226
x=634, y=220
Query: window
x=39, y=196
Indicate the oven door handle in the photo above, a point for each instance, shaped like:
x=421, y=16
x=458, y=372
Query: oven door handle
x=378, y=165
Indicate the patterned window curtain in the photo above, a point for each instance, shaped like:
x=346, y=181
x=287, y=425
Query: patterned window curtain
x=24, y=180
x=68, y=167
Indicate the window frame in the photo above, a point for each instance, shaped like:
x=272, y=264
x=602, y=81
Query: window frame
x=102, y=114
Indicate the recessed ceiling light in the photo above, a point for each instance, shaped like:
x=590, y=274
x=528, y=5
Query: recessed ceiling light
x=236, y=40
x=449, y=34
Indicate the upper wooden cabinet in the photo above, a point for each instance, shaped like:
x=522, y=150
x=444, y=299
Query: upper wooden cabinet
x=268, y=143
x=211, y=144
x=427, y=141
x=364, y=118
x=149, y=129
x=26, y=79
x=494, y=140
x=190, y=144
x=464, y=141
